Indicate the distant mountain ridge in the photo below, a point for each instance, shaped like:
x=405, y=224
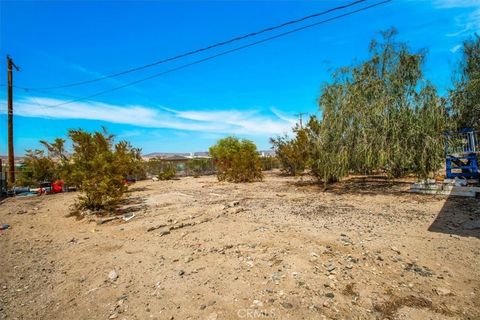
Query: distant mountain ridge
x=199, y=154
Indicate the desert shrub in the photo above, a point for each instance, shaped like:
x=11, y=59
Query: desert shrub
x=293, y=154
x=162, y=169
x=269, y=163
x=129, y=160
x=197, y=167
x=37, y=167
x=167, y=170
x=57, y=152
x=99, y=168
x=236, y=160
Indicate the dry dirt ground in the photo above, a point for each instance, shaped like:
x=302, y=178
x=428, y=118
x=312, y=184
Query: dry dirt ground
x=277, y=249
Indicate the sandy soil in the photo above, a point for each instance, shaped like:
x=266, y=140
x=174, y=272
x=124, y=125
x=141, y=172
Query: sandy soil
x=278, y=249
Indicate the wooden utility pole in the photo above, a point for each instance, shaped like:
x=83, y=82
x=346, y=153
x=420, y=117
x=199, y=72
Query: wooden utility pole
x=11, y=155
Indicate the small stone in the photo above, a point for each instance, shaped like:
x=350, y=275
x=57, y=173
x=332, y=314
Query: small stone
x=164, y=232
x=181, y=273
x=213, y=316
x=329, y=295
x=330, y=285
x=442, y=291
x=330, y=267
x=394, y=249
x=287, y=305
x=112, y=275
x=188, y=259
x=257, y=303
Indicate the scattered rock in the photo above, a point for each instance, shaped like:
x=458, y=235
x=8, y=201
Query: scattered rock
x=158, y=226
x=232, y=204
x=213, y=316
x=422, y=271
x=287, y=305
x=330, y=267
x=257, y=304
x=443, y=291
x=329, y=295
x=112, y=275
x=394, y=249
x=164, y=232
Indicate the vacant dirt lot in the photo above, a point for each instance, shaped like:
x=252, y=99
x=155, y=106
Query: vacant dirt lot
x=279, y=249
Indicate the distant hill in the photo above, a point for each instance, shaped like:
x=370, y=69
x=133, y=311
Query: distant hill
x=189, y=155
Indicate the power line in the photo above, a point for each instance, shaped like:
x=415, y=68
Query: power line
x=219, y=54
x=45, y=92
x=252, y=34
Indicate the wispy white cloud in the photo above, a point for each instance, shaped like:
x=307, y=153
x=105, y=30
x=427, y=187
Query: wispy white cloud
x=249, y=122
x=455, y=48
x=95, y=74
x=456, y=3
x=468, y=20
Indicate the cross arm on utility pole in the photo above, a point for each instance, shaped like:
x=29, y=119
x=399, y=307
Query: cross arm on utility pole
x=300, y=118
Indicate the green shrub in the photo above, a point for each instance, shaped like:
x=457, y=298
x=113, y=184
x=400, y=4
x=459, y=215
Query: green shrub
x=167, y=171
x=37, y=168
x=269, y=163
x=99, y=168
x=162, y=169
x=197, y=167
x=293, y=154
x=236, y=160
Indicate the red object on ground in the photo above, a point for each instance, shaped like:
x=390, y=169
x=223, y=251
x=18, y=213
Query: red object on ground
x=57, y=186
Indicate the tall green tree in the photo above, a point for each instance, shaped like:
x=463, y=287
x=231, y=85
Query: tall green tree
x=379, y=115
x=465, y=96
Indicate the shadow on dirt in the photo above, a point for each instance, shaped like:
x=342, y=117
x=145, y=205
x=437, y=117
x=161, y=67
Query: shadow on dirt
x=138, y=189
x=459, y=216
x=130, y=205
x=364, y=185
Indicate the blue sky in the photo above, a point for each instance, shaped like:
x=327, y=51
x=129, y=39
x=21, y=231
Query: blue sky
x=253, y=93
